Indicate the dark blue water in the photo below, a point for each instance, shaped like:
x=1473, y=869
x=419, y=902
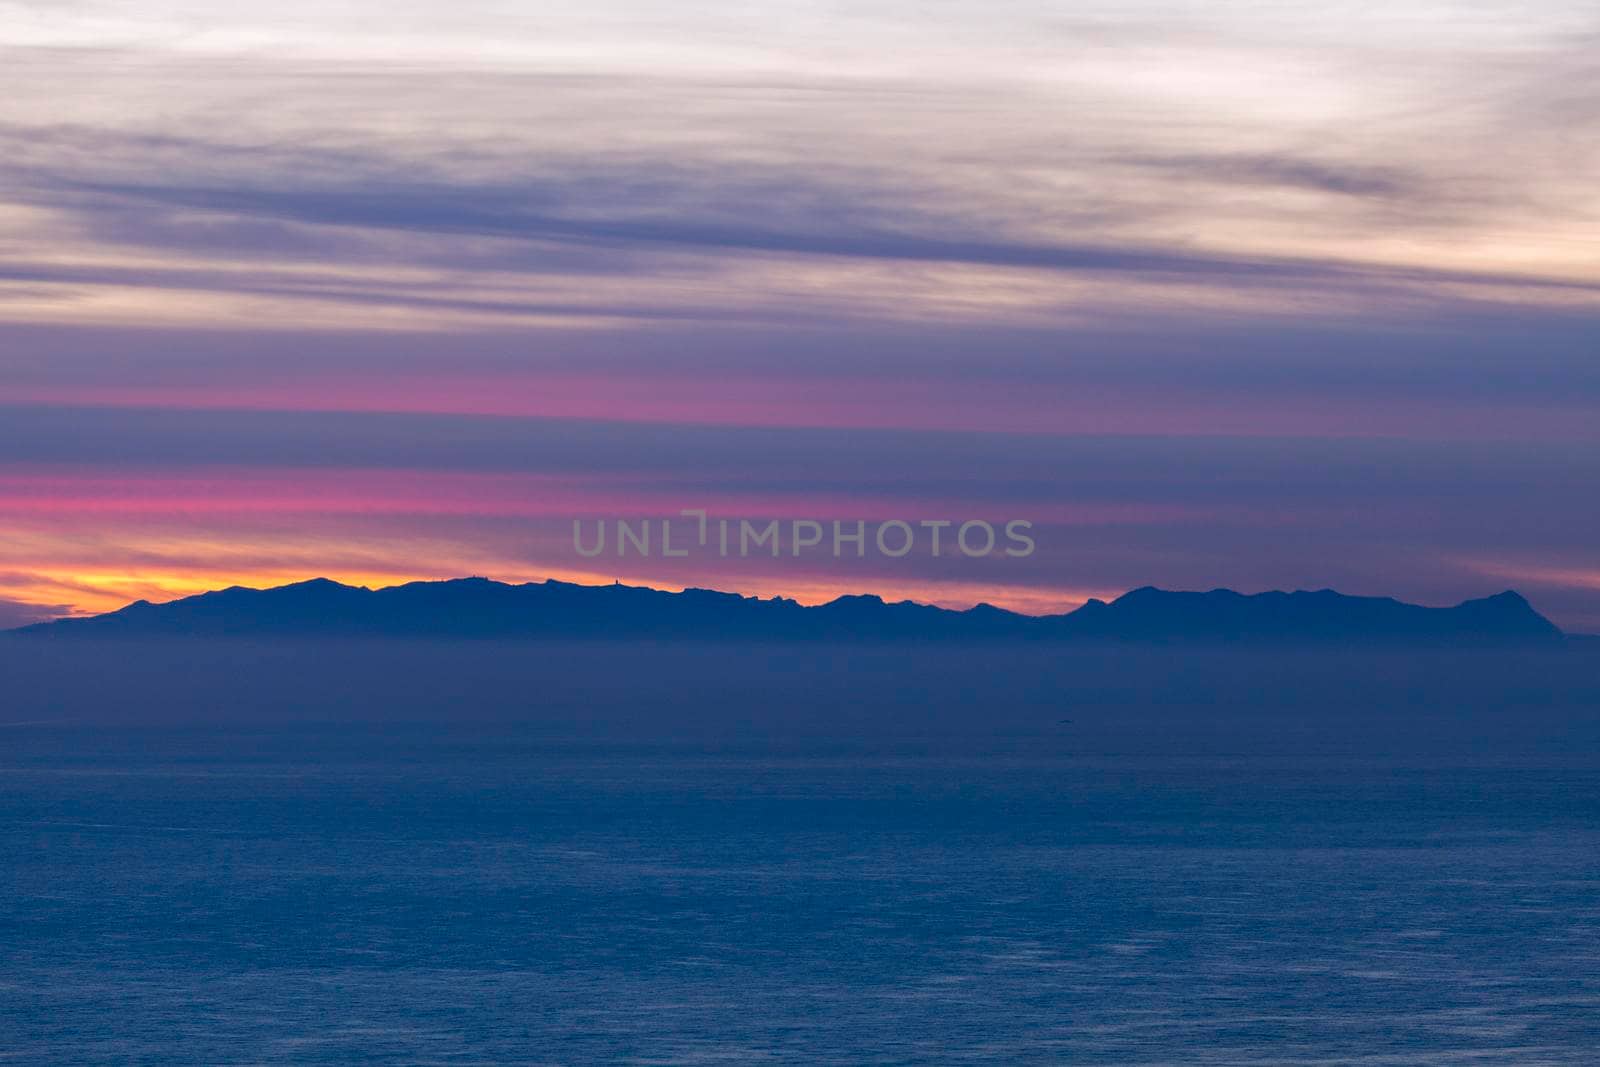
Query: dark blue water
x=1159, y=880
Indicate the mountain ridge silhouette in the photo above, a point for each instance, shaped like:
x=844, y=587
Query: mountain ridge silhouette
x=480, y=607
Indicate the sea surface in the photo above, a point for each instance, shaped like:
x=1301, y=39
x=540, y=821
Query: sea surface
x=663, y=856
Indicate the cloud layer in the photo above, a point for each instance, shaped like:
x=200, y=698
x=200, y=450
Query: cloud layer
x=1267, y=294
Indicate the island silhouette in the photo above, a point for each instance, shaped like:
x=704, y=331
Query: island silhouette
x=482, y=608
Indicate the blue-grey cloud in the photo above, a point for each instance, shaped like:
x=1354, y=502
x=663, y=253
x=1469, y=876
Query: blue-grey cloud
x=877, y=463
x=1491, y=357
x=1387, y=182
x=721, y=212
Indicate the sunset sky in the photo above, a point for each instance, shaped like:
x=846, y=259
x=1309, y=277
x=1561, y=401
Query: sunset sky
x=1251, y=295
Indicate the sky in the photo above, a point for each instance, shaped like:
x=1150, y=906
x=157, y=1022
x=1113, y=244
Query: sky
x=1249, y=295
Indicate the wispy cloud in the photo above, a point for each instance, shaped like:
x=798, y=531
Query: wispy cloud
x=710, y=196
x=1226, y=271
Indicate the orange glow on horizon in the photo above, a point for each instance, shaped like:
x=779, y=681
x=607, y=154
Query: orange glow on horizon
x=93, y=592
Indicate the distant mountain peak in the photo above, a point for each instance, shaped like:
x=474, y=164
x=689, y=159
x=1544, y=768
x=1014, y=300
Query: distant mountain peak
x=480, y=607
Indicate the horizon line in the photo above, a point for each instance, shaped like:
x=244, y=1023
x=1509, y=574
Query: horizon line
x=777, y=597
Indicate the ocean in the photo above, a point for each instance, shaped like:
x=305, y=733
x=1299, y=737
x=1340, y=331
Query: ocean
x=486, y=854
